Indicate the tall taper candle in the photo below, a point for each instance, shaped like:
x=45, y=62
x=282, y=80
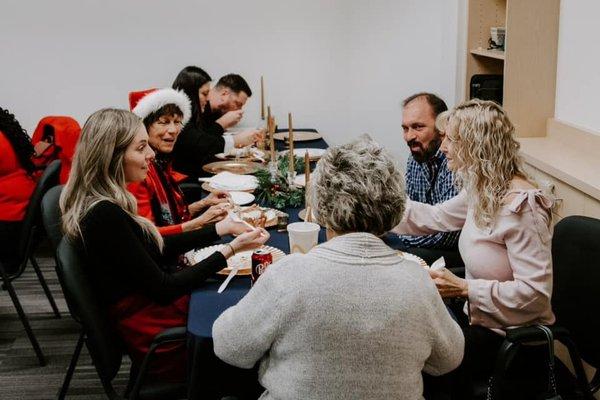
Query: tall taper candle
x=262, y=98
x=291, y=139
x=272, y=138
x=306, y=168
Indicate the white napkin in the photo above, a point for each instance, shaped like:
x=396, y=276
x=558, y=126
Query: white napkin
x=227, y=181
x=438, y=264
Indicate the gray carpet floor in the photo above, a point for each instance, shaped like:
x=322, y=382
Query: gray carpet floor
x=21, y=377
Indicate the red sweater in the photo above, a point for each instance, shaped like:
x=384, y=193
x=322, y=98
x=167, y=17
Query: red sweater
x=16, y=186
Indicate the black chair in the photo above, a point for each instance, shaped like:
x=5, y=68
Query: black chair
x=29, y=238
x=103, y=343
x=51, y=215
x=575, y=300
x=52, y=218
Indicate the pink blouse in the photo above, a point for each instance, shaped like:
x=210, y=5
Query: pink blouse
x=508, y=266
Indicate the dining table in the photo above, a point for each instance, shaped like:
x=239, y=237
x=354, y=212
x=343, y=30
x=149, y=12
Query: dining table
x=208, y=376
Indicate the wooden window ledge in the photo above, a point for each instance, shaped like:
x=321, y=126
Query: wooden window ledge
x=570, y=154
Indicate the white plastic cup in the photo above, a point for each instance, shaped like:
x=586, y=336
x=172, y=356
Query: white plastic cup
x=303, y=236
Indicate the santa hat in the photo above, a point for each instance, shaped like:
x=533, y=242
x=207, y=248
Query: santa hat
x=145, y=102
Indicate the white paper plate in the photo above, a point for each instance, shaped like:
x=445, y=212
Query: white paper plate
x=242, y=259
x=253, y=212
x=244, y=154
x=241, y=198
x=228, y=181
x=313, y=153
x=299, y=180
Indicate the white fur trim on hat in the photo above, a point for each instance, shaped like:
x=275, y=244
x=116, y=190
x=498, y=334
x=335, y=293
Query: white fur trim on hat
x=159, y=98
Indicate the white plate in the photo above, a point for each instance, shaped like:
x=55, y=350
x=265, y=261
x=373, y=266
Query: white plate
x=228, y=181
x=299, y=180
x=249, y=186
x=313, y=153
x=253, y=212
x=241, y=198
x=243, y=153
x=242, y=259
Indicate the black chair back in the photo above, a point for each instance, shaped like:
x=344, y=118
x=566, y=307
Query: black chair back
x=103, y=343
x=576, y=300
x=32, y=220
x=51, y=215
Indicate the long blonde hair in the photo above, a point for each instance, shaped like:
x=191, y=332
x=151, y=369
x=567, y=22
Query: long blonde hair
x=98, y=172
x=487, y=154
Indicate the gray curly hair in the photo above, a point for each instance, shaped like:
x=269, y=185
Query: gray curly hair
x=357, y=188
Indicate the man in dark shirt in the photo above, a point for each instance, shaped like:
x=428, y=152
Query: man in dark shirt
x=428, y=179
x=225, y=102
x=198, y=143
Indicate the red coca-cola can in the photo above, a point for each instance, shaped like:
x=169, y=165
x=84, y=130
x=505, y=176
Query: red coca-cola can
x=261, y=259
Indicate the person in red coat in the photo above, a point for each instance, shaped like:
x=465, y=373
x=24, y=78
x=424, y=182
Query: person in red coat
x=159, y=198
x=16, y=183
x=55, y=137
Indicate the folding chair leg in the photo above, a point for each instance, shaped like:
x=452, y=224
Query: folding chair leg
x=71, y=369
x=13, y=296
x=40, y=276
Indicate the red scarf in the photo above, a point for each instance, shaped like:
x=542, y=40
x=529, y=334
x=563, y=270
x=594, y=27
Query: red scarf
x=168, y=204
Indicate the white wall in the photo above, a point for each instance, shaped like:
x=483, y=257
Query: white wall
x=578, y=69
x=341, y=66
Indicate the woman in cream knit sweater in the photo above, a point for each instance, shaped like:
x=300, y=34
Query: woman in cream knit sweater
x=351, y=319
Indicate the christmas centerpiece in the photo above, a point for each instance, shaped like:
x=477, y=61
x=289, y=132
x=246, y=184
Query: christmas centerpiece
x=276, y=186
x=275, y=189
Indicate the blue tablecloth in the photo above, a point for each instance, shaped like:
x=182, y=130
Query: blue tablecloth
x=206, y=304
x=208, y=376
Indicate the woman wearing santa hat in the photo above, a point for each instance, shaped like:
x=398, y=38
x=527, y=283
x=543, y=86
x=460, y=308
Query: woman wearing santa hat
x=164, y=112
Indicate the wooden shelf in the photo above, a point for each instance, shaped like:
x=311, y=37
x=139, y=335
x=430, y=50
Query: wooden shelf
x=496, y=54
x=528, y=64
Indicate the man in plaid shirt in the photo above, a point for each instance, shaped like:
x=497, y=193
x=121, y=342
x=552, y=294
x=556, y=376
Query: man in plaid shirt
x=428, y=179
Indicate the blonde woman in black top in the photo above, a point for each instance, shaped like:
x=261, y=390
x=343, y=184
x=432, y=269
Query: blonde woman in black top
x=128, y=261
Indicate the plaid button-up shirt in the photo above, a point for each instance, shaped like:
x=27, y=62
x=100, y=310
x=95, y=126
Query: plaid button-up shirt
x=430, y=182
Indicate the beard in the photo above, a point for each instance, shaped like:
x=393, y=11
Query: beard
x=424, y=154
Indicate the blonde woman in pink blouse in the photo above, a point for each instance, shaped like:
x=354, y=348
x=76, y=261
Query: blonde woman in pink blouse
x=506, y=233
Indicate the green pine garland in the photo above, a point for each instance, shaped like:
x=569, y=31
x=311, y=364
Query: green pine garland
x=278, y=194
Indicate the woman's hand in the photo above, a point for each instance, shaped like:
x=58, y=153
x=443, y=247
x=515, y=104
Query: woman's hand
x=214, y=214
x=248, y=138
x=246, y=241
x=230, y=227
x=230, y=118
x=214, y=198
x=250, y=240
x=448, y=284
